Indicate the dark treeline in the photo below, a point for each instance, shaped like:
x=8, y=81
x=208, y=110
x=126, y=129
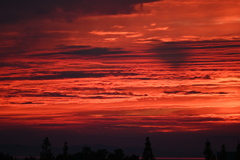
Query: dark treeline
x=118, y=154
x=85, y=154
x=222, y=154
x=6, y=157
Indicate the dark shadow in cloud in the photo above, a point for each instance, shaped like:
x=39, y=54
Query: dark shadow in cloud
x=179, y=53
x=83, y=89
x=58, y=75
x=192, y=92
x=205, y=77
x=173, y=53
x=8, y=93
x=15, y=64
x=121, y=94
x=12, y=11
x=101, y=97
x=48, y=94
x=172, y=92
x=237, y=54
x=68, y=74
x=143, y=78
x=29, y=103
x=86, y=52
x=183, y=120
x=199, y=92
x=16, y=92
x=201, y=119
x=71, y=47
x=221, y=93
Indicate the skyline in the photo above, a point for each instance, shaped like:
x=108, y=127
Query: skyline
x=96, y=72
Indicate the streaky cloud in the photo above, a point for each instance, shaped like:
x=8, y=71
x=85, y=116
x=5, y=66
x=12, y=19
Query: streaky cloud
x=66, y=75
x=84, y=51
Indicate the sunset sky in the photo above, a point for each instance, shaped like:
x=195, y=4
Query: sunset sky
x=115, y=71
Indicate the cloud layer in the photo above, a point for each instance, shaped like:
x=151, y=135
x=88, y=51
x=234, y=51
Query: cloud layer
x=12, y=11
x=120, y=67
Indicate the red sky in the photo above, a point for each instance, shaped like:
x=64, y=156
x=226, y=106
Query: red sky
x=130, y=68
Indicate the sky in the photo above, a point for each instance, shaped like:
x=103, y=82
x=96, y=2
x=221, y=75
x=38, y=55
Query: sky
x=113, y=72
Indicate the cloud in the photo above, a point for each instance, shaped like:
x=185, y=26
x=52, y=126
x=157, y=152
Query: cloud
x=122, y=94
x=180, y=53
x=102, y=33
x=101, y=97
x=114, y=33
x=71, y=47
x=172, y=52
x=48, y=94
x=14, y=64
x=201, y=119
x=12, y=11
x=28, y=103
x=158, y=29
x=67, y=74
x=84, y=51
x=172, y=92
x=57, y=75
x=83, y=89
x=192, y=92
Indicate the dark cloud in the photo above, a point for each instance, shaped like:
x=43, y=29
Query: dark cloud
x=233, y=54
x=71, y=47
x=121, y=93
x=202, y=119
x=116, y=93
x=27, y=103
x=205, y=77
x=191, y=92
x=101, y=97
x=48, y=94
x=179, y=53
x=86, y=52
x=173, y=53
x=143, y=78
x=15, y=64
x=24, y=103
x=83, y=89
x=66, y=75
x=172, y=92
x=12, y=11
x=170, y=122
x=16, y=92
x=58, y=75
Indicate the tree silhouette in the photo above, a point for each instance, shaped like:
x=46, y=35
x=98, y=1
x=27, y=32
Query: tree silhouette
x=238, y=152
x=117, y=155
x=213, y=157
x=223, y=153
x=85, y=154
x=132, y=157
x=147, y=152
x=6, y=157
x=101, y=154
x=46, y=153
x=208, y=151
x=64, y=155
x=65, y=151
